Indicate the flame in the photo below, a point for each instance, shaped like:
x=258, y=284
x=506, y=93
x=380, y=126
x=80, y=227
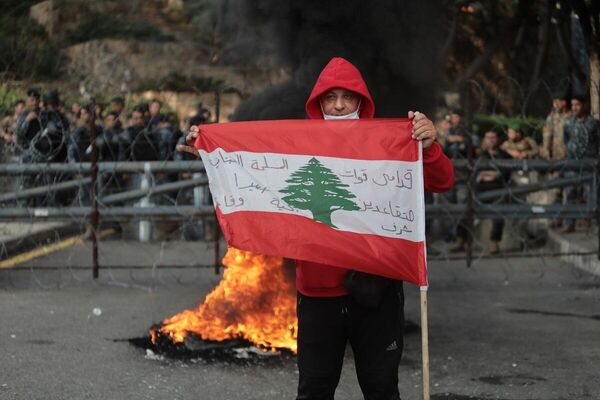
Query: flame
x=255, y=301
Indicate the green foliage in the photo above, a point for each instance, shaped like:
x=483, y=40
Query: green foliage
x=215, y=24
x=25, y=48
x=8, y=98
x=317, y=189
x=101, y=26
x=528, y=126
x=16, y=8
x=206, y=20
x=178, y=83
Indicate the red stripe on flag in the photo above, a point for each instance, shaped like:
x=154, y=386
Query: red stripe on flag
x=368, y=139
x=300, y=238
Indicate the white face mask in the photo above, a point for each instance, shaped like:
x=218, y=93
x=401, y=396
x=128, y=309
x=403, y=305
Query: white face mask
x=352, y=115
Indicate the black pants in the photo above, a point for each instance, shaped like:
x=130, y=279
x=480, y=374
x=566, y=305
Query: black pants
x=325, y=324
x=497, y=229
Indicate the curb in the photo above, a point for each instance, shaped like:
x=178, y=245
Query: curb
x=561, y=244
x=19, y=244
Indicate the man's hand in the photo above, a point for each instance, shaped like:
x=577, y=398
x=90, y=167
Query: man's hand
x=489, y=176
x=514, y=154
x=423, y=128
x=31, y=116
x=190, y=139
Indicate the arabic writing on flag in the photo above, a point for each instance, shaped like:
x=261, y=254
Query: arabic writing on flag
x=343, y=193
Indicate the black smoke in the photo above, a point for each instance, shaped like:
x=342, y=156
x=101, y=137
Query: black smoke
x=396, y=44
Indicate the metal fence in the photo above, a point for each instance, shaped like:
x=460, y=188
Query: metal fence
x=156, y=193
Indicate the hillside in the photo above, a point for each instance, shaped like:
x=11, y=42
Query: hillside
x=108, y=46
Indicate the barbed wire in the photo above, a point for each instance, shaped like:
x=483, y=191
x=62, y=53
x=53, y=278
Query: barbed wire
x=155, y=207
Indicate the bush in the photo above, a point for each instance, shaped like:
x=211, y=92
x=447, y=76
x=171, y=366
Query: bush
x=25, y=48
x=8, y=98
x=101, y=26
x=178, y=83
x=529, y=126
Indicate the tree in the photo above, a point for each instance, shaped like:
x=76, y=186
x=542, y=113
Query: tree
x=316, y=188
x=588, y=13
x=511, y=54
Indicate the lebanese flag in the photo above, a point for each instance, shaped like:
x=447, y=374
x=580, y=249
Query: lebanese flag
x=346, y=193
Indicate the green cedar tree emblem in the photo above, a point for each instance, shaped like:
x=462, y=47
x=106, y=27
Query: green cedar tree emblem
x=317, y=189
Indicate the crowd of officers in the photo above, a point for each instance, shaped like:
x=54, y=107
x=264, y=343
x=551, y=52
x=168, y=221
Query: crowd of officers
x=570, y=133
x=42, y=130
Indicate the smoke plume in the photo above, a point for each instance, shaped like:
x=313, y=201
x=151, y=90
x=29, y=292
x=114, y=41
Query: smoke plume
x=396, y=44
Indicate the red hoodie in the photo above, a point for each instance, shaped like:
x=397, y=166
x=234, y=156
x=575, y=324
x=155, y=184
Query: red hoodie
x=314, y=279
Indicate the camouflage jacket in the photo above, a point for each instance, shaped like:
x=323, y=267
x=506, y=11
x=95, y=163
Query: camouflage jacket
x=581, y=137
x=553, y=147
x=526, y=145
x=8, y=124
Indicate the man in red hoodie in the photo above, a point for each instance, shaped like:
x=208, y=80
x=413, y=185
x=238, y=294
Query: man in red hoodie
x=371, y=315
x=328, y=315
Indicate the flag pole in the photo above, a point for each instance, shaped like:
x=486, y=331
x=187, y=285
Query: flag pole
x=425, y=342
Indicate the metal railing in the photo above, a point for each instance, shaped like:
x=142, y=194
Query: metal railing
x=134, y=203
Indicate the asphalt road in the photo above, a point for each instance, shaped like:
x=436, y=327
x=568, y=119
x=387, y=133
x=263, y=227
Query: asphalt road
x=503, y=329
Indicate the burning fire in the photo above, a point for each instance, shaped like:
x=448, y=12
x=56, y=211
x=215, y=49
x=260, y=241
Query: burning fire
x=255, y=301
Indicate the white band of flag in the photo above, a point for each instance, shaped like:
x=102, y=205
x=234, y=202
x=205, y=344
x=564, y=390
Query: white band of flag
x=380, y=197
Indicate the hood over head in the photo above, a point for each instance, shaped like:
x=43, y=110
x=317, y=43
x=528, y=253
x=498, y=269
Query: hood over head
x=340, y=73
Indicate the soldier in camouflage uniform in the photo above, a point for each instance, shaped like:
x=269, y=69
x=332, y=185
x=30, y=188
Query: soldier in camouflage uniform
x=521, y=147
x=8, y=126
x=518, y=146
x=553, y=147
x=581, y=132
x=9, y=151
